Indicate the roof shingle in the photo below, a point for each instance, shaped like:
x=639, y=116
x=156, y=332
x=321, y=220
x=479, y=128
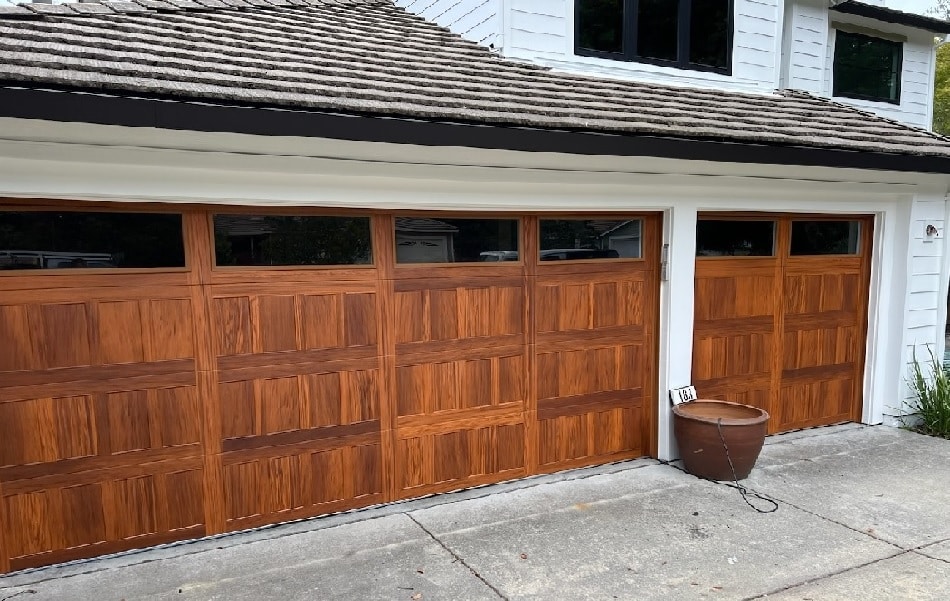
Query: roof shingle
x=370, y=57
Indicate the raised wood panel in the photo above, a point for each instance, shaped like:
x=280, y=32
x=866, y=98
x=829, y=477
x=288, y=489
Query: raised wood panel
x=459, y=457
x=61, y=518
x=301, y=482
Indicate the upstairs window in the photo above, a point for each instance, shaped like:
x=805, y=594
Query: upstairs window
x=867, y=68
x=686, y=34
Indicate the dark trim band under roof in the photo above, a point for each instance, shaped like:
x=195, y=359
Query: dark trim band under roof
x=889, y=15
x=202, y=116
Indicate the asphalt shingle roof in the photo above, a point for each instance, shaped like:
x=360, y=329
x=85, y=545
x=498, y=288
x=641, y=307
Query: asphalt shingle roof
x=371, y=57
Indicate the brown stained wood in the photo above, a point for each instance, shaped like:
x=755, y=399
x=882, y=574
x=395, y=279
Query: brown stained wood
x=787, y=343
x=308, y=445
x=22, y=480
x=295, y=437
x=588, y=403
x=459, y=347
x=412, y=426
x=115, y=284
x=117, y=383
x=105, y=548
x=201, y=400
x=735, y=325
x=818, y=373
x=591, y=338
x=282, y=364
x=309, y=511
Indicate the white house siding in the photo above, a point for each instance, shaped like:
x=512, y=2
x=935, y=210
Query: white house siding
x=926, y=306
x=475, y=20
x=806, y=32
x=809, y=57
x=542, y=31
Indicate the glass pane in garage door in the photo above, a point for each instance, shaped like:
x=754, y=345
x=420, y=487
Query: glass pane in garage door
x=573, y=239
x=825, y=237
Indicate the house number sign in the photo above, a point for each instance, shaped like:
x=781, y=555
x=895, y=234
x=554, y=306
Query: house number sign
x=682, y=395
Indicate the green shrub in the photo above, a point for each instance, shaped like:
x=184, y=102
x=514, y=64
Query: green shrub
x=933, y=397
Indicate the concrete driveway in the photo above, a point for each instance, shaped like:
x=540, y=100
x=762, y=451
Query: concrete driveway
x=864, y=514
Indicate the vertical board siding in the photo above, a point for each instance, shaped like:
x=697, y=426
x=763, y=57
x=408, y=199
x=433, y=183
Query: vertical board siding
x=475, y=20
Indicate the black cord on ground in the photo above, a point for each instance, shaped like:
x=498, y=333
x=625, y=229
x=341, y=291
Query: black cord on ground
x=745, y=492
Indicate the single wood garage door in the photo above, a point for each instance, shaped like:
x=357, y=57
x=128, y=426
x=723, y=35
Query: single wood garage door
x=781, y=314
x=170, y=374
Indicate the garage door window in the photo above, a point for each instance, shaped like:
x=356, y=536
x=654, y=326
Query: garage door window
x=431, y=240
x=573, y=239
x=288, y=240
x=89, y=240
x=739, y=238
x=825, y=237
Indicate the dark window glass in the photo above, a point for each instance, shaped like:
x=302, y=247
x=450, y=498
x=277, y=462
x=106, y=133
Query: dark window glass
x=687, y=34
x=867, y=67
x=825, y=237
x=657, y=26
x=715, y=238
x=566, y=239
x=709, y=33
x=600, y=25
x=58, y=240
x=429, y=240
x=274, y=240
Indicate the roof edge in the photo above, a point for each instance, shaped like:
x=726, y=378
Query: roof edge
x=70, y=105
x=890, y=15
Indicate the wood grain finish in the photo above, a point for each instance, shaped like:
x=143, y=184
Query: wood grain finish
x=140, y=407
x=784, y=333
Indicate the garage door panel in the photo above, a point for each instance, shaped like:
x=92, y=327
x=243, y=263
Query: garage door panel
x=59, y=523
x=819, y=347
x=724, y=356
x=292, y=482
x=815, y=403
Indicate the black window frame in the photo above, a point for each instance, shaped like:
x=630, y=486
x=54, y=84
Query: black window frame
x=629, y=53
x=837, y=93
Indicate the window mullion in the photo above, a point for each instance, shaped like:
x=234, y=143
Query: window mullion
x=630, y=12
x=682, y=32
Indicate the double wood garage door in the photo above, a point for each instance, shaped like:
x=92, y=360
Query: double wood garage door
x=781, y=314
x=142, y=406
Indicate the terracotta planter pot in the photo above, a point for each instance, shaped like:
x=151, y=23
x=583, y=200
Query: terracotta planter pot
x=696, y=425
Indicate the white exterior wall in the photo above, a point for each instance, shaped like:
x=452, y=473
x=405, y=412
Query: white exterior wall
x=809, y=56
x=476, y=20
x=542, y=31
x=909, y=279
x=926, y=309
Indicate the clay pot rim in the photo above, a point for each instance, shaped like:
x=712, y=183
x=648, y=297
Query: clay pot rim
x=726, y=421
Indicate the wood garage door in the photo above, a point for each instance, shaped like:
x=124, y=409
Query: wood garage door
x=218, y=380
x=781, y=314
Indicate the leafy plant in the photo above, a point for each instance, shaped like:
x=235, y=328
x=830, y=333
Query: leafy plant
x=933, y=397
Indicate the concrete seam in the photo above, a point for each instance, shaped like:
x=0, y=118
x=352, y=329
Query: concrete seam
x=458, y=558
x=783, y=589
x=343, y=518
x=922, y=554
x=802, y=509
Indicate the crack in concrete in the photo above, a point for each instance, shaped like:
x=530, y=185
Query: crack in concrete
x=789, y=587
x=458, y=558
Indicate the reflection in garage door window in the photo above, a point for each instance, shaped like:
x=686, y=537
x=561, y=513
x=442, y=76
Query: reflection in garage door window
x=430, y=240
x=277, y=240
x=725, y=238
x=572, y=239
x=89, y=240
x=825, y=237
